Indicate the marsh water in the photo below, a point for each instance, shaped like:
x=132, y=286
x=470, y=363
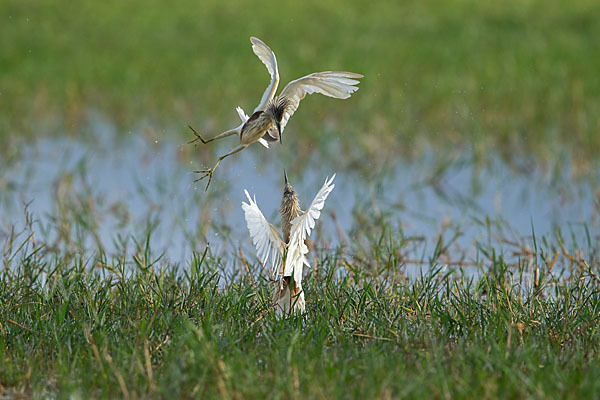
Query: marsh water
x=112, y=192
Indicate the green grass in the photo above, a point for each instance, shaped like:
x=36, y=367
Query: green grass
x=134, y=325
x=519, y=78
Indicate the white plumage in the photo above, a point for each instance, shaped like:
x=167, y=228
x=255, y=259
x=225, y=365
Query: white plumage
x=301, y=228
x=336, y=84
x=285, y=259
x=265, y=238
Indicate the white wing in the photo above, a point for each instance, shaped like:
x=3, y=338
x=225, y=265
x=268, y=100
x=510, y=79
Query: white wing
x=339, y=85
x=244, y=118
x=266, y=55
x=242, y=114
x=263, y=142
x=264, y=236
x=301, y=228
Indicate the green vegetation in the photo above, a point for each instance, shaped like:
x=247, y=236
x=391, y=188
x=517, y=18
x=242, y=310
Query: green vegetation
x=388, y=315
x=136, y=326
x=519, y=77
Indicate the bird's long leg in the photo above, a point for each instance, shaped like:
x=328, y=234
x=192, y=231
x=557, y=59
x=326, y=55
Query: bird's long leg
x=294, y=296
x=219, y=136
x=209, y=172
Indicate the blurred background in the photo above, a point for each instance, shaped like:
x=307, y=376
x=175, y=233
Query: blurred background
x=473, y=117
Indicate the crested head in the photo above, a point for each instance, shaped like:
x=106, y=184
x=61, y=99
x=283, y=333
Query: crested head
x=289, y=194
x=277, y=107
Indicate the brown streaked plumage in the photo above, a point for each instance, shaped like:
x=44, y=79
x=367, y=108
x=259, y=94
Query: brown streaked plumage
x=261, y=123
x=273, y=112
x=289, y=210
x=259, y=126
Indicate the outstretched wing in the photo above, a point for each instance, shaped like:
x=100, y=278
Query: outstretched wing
x=266, y=55
x=301, y=228
x=339, y=85
x=264, y=236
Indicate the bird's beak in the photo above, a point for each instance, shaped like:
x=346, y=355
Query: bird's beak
x=279, y=130
x=285, y=176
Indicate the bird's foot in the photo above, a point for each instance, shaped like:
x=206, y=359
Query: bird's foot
x=206, y=173
x=198, y=137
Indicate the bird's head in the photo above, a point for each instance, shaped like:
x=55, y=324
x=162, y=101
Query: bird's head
x=288, y=190
x=275, y=111
x=289, y=200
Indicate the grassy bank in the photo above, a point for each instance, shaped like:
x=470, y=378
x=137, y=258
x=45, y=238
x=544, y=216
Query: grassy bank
x=133, y=325
x=520, y=78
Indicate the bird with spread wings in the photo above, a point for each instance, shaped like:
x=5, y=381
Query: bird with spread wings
x=287, y=256
x=272, y=114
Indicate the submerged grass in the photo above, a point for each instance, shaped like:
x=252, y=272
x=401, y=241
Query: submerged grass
x=135, y=325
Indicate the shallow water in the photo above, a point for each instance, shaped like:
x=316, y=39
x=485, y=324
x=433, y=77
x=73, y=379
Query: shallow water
x=116, y=188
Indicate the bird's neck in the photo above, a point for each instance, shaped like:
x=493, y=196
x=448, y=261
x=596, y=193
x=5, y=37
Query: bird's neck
x=290, y=209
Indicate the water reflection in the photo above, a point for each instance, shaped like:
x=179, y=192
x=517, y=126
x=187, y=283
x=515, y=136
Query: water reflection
x=106, y=192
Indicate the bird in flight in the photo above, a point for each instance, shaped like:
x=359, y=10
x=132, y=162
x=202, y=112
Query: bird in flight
x=272, y=114
x=288, y=255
